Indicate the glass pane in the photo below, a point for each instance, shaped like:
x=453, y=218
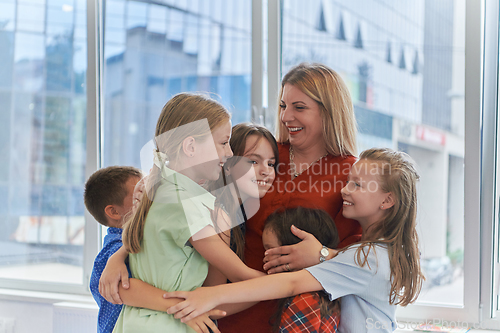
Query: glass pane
x=42, y=135
x=7, y=17
x=155, y=50
x=31, y=16
x=403, y=62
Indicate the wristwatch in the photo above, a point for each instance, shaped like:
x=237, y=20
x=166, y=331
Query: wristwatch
x=323, y=254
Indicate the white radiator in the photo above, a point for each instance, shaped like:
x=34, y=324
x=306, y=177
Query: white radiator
x=74, y=317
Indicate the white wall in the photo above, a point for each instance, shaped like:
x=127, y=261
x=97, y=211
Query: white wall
x=48, y=314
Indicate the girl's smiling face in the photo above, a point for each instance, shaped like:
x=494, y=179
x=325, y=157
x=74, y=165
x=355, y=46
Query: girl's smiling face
x=254, y=173
x=213, y=152
x=364, y=199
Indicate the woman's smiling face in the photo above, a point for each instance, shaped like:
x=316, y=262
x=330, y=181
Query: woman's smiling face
x=302, y=117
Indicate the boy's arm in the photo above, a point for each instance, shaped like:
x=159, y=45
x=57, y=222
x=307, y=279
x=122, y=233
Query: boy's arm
x=260, y=289
x=143, y=295
x=114, y=272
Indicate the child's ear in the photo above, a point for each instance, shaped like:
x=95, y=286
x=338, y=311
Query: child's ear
x=388, y=201
x=188, y=146
x=112, y=213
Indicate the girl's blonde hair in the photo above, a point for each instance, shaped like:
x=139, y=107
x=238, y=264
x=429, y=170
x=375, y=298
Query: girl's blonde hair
x=182, y=109
x=240, y=134
x=327, y=88
x=398, y=176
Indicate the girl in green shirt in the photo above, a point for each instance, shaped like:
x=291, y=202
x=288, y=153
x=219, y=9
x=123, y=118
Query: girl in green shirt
x=171, y=235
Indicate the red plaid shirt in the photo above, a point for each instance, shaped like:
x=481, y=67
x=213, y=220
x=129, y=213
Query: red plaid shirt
x=303, y=315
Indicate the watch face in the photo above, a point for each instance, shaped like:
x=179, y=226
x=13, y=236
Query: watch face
x=324, y=252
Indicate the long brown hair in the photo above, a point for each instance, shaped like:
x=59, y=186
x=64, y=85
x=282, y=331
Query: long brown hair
x=316, y=222
x=327, y=88
x=396, y=175
x=182, y=109
x=239, y=136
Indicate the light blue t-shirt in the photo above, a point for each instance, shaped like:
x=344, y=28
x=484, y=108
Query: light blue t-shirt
x=364, y=291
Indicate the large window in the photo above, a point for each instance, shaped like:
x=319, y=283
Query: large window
x=43, y=54
x=404, y=66
x=404, y=62
x=154, y=50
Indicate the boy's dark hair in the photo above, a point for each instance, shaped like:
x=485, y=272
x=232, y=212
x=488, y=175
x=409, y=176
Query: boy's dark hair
x=107, y=187
x=316, y=222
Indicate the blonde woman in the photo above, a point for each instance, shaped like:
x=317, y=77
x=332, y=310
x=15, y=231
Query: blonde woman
x=316, y=134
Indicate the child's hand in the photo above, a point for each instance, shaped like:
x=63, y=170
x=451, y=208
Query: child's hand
x=201, y=323
x=196, y=302
x=114, y=272
x=293, y=257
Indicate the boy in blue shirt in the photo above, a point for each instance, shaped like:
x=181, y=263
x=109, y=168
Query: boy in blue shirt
x=108, y=197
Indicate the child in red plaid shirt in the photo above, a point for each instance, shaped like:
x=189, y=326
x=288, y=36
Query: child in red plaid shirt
x=307, y=312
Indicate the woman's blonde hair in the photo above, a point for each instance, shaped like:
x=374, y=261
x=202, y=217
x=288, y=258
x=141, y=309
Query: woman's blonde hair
x=182, y=109
x=327, y=88
x=398, y=176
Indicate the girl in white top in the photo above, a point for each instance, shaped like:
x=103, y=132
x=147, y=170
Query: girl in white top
x=372, y=276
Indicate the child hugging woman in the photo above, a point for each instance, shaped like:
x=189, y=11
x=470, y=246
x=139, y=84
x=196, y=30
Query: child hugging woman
x=307, y=312
x=244, y=178
x=171, y=237
x=372, y=276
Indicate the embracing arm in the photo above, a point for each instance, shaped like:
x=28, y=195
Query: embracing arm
x=215, y=276
x=301, y=255
x=114, y=272
x=143, y=295
x=218, y=254
x=259, y=289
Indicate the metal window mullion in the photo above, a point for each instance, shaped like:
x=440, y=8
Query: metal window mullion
x=257, y=61
x=489, y=239
x=273, y=53
x=93, y=143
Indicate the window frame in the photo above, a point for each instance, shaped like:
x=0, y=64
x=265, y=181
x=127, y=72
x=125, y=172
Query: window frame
x=480, y=140
x=490, y=169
